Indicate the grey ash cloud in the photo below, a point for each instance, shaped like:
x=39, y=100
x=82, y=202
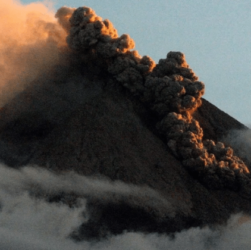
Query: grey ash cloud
x=170, y=88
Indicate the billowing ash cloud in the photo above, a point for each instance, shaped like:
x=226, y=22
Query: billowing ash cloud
x=169, y=88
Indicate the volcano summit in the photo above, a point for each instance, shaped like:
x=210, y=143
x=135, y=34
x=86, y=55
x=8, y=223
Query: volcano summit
x=115, y=147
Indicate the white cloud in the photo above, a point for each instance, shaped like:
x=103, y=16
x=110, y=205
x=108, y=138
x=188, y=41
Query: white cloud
x=28, y=222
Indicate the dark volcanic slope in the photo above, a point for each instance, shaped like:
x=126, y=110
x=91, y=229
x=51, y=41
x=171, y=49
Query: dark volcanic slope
x=105, y=111
x=111, y=134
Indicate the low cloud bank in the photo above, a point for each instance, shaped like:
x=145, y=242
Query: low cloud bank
x=40, y=182
x=29, y=221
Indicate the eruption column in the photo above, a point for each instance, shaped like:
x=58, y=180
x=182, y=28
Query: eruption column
x=170, y=89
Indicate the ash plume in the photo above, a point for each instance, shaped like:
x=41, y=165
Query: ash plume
x=170, y=89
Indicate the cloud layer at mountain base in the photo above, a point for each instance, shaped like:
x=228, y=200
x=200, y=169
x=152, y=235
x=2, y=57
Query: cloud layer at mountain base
x=28, y=221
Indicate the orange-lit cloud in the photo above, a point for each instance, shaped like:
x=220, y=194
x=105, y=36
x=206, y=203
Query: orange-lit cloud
x=29, y=44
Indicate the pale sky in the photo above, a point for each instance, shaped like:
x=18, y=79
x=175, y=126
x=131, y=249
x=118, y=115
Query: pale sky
x=215, y=36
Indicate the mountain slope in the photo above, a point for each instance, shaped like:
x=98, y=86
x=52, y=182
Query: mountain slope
x=111, y=134
x=104, y=111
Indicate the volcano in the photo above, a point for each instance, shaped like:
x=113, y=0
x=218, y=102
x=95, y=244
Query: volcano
x=105, y=114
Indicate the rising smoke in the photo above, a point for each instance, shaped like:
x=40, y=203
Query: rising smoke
x=32, y=44
x=169, y=88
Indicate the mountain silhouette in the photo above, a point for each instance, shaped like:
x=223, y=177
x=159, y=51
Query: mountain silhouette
x=105, y=112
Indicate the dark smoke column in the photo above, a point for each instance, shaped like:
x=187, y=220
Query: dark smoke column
x=170, y=89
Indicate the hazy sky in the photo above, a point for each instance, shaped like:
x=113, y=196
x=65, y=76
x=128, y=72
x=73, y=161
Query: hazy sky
x=214, y=35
